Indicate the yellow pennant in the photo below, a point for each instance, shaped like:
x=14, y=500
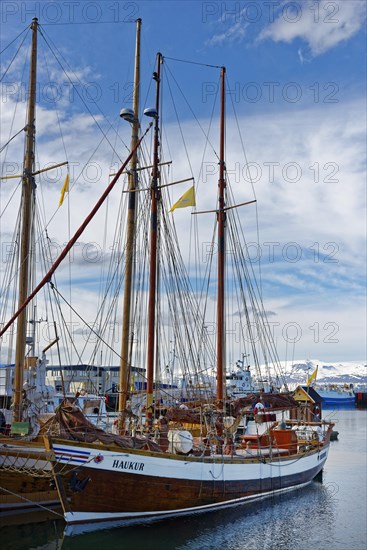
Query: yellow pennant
x=312, y=376
x=65, y=189
x=187, y=199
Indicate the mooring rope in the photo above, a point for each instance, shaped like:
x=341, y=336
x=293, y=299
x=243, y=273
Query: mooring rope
x=31, y=501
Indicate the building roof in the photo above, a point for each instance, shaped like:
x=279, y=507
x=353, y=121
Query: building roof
x=312, y=393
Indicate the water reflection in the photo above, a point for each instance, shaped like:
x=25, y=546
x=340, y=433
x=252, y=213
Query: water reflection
x=278, y=522
x=36, y=529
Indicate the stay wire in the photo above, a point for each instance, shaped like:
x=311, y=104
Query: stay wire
x=83, y=320
x=80, y=96
x=11, y=139
x=253, y=189
x=15, y=55
x=15, y=39
x=206, y=134
x=88, y=23
x=55, y=290
x=67, y=168
x=194, y=62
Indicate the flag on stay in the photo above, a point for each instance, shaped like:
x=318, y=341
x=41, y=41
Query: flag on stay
x=187, y=199
x=65, y=189
x=312, y=376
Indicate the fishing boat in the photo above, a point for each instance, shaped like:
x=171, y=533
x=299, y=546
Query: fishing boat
x=334, y=395
x=239, y=382
x=184, y=459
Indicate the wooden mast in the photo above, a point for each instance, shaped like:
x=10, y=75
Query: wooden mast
x=28, y=191
x=153, y=252
x=221, y=218
x=130, y=240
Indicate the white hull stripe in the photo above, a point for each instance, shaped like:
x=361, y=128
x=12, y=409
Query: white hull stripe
x=81, y=517
x=162, y=467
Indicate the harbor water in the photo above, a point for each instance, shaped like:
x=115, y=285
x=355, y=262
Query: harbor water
x=329, y=513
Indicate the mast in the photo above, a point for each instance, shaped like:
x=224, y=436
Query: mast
x=28, y=193
x=221, y=219
x=130, y=239
x=153, y=251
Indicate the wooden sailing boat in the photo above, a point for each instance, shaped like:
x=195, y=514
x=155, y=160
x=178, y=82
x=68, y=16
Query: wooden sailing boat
x=25, y=469
x=25, y=473
x=193, y=463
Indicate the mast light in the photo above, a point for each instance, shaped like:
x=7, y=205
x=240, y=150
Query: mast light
x=151, y=112
x=128, y=115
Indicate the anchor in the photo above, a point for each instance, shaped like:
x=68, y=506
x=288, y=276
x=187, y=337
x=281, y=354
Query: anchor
x=76, y=484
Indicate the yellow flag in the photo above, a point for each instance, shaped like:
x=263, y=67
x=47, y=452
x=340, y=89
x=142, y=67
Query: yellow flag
x=312, y=376
x=187, y=199
x=65, y=189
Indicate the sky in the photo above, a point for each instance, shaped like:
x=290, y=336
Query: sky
x=296, y=76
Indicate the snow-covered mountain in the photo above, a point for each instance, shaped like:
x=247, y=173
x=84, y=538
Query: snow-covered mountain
x=349, y=372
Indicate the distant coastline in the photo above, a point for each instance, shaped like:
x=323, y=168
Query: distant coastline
x=348, y=372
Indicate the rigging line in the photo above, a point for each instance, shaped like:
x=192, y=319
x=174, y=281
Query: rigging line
x=258, y=308
x=27, y=28
x=15, y=108
x=254, y=282
x=87, y=23
x=31, y=501
x=206, y=134
x=81, y=97
x=238, y=264
x=8, y=290
x=10, y=199
x=101, y=323
x=180, y=127
x=45, y=255
x=64, y=324
x=112, y=276
x=181, y=275
x=15, y=135
x=75, y=181
x=15, y=240
x=78, y=233
x=253, y=190
x=15, y=55
x=85, y=322
x=100, y=306
x=194, y=62
x=11, y=257
x=56, y=109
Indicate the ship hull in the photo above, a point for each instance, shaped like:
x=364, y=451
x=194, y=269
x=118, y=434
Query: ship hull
x=25, y=477
x=101, y=486
x=336, y=398
x=338, y=402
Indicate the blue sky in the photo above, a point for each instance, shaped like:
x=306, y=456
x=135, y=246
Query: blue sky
x=296, y=72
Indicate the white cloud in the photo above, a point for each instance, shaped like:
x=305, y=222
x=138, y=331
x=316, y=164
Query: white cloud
x=305, y=211
x=234, y=33
x=321, y=25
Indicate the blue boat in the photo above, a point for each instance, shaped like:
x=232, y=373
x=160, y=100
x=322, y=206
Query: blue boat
x=336, y=396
